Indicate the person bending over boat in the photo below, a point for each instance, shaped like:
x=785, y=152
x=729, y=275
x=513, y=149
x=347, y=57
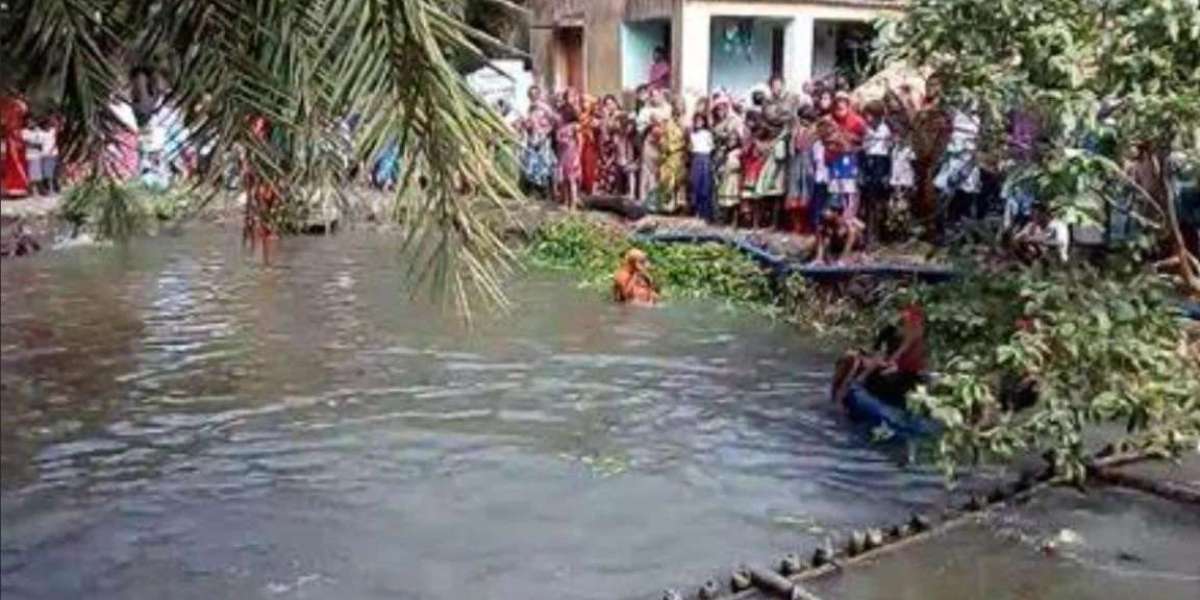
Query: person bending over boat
x=838, y=235
x=897, y=367
x=632, y=283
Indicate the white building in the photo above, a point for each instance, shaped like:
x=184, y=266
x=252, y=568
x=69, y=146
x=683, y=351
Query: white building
x=605, y=46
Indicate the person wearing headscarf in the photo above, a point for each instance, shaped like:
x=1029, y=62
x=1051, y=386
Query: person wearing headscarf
x=632, y=283
x=727, y=130
x=610, y=142
x=537, y=151
x=589, y=151
x=672, y=170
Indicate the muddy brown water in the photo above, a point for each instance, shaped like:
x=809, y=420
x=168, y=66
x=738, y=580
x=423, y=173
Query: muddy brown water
x=182, y=419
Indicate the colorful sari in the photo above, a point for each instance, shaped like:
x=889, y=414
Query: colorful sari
x=770, y=180
x=589, y=151
x=121, y=152
x=800, y=178
x=611, y=159
x=754, y=159
x=648, y=178
x=672, y=169
x=727, y=159
x=14, y=178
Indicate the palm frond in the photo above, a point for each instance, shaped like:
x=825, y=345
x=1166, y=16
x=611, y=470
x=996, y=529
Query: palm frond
x=304, y=66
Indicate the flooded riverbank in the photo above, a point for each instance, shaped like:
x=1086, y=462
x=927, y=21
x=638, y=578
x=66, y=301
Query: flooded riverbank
x=183, y=419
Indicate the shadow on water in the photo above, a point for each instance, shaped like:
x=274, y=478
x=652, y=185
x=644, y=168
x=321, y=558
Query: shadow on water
x=182, y=420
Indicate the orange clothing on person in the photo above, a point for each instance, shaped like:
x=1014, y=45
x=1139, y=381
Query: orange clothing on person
x=631, y=284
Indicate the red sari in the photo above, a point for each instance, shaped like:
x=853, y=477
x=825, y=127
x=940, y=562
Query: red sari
x=14, y=178
x=589, y=151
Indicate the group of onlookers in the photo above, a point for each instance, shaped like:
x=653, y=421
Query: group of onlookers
x=816, y=161
x=29, y=162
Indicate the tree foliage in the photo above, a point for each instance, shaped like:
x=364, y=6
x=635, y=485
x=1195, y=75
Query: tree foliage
x=303, y=67
x=1115, y=83
x=1100, y=352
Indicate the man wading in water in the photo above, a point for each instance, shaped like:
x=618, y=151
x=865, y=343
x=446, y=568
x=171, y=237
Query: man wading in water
x=897, y=372
x=632, y=283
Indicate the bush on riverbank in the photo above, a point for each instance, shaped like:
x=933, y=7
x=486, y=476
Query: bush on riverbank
x=1098, y=346
x=118, y=211
x=1092, y=347
x=682, y=270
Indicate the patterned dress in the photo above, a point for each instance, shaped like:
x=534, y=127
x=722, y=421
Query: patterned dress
x=537, y=152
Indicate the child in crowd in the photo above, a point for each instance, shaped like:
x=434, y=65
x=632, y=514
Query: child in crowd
x=876, y=171
x=903, y=181
x=570, y=169
x=31, y=134
x=824, y=131
x=729, y=192
x=800, y=173
x=838, y=235
x=700, y=142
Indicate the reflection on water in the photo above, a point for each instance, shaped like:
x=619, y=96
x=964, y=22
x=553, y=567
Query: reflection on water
x=183, y=420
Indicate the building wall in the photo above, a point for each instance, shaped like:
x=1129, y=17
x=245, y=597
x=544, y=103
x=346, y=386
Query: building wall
x=638, y=41
x=606, y=69
x=739, y=72
x=602, y=43
x=601, y=22
x=693, y=55
x=824, y=48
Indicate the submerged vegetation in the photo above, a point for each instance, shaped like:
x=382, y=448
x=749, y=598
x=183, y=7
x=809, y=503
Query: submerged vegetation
x=1087, y=347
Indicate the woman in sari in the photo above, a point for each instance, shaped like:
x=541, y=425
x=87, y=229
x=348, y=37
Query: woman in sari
x=672, y=171
x=610, y=173
x=648, y=179
x=727, y=156
x=14, y=179
x=772, y=145
x=589, y=151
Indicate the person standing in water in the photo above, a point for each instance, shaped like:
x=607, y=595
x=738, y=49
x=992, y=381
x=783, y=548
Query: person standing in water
x=632, y=283
x=897, y=367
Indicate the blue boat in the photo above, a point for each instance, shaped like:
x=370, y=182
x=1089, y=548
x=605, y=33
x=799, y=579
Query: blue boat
x=867, y=409
x=783, y=266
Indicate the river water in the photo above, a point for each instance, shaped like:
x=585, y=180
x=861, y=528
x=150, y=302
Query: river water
x=183, y=419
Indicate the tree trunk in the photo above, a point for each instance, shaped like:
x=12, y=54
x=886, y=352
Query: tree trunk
x=1164, y=193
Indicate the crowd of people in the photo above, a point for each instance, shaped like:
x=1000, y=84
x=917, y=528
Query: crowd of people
x=148, y=141
x=815, y=161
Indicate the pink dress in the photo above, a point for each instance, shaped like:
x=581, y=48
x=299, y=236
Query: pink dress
x=570, y=168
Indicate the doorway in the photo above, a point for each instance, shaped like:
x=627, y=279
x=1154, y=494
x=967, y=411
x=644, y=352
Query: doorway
x=569, y=69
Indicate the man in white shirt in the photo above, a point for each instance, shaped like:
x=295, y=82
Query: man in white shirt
x=1041, y=233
